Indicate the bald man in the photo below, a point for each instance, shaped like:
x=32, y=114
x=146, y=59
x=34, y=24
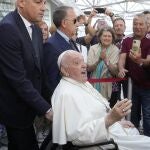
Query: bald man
x=23, y=90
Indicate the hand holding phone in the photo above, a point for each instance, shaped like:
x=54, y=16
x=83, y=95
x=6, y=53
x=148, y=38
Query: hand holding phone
x=136, y=46
x=92, y=13
x=135, y=52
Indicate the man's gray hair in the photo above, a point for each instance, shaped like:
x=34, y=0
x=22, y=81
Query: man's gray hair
x=59, y=14
x=141, y=15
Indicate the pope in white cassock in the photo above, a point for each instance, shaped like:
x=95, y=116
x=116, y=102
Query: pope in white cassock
x=83, y=116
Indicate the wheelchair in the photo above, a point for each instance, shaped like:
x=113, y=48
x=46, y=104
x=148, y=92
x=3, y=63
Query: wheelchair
x=108, y=145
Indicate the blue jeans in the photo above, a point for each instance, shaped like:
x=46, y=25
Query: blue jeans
x=141, y=101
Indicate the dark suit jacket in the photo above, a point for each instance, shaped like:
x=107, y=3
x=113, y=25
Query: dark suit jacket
x=55, y=45
x=21, y=77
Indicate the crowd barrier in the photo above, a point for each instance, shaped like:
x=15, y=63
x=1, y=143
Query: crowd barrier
x=95, y=80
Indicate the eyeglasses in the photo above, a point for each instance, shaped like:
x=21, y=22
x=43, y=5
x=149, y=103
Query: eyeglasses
x=73, y=20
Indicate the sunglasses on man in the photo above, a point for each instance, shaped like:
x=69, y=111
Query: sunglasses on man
x=73, y=20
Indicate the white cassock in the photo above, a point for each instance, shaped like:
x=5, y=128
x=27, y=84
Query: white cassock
x=79, y=113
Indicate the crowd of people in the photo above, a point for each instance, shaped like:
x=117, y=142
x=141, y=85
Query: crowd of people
x=44, y=78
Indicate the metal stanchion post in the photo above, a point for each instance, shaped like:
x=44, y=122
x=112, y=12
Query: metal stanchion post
x=128, y=117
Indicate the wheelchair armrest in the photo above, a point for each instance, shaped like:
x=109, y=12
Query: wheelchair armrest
x=111, y=141
x=69, y=145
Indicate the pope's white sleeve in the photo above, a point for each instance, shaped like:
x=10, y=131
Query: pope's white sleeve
x=81, y=127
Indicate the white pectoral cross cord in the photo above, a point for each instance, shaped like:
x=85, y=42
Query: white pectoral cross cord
x=90, y=90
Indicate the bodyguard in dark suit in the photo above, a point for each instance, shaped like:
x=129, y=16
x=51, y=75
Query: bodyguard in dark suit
x=65, y=21
x=22, y=79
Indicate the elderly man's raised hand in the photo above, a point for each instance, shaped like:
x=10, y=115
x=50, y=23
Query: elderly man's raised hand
x=120, y=110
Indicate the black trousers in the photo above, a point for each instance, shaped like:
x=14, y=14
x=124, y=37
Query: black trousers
x=47, y=140
x=22, y=139
x=117, y=95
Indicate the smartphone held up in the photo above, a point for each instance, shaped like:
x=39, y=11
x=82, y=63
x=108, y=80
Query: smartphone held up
x=136, y=46
x=98, y=9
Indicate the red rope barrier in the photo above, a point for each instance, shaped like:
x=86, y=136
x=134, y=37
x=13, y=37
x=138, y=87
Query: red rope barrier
x=94, y=80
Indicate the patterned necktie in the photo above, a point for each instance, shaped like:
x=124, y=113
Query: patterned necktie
x=73, y=45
